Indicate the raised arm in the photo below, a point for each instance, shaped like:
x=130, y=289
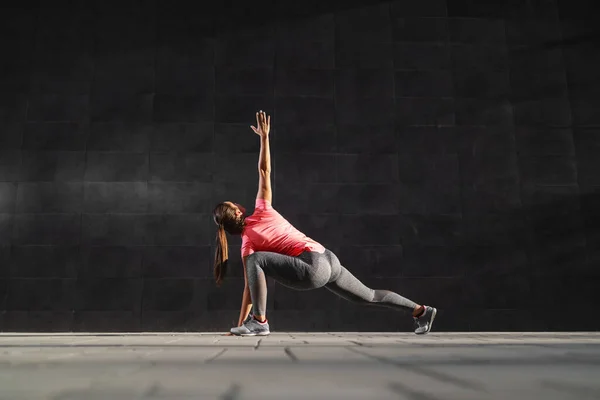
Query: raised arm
x=262, y=129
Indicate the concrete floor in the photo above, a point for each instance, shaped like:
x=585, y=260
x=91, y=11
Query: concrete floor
x=300, y=366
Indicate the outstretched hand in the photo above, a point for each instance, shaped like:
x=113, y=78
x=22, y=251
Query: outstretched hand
x=263, y=124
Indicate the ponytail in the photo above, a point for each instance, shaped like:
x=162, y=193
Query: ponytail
x=221, y=256
x=225, y=218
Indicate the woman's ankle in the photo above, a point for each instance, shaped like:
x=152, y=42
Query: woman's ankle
x=418, y=311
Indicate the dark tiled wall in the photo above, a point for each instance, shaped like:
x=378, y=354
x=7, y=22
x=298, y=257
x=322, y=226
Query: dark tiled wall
x=446, y=150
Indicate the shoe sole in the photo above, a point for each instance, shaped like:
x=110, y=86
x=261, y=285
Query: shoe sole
x=256, y=334
x=430, y=323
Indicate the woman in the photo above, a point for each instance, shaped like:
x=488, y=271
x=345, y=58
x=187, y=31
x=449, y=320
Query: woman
x=272, y=247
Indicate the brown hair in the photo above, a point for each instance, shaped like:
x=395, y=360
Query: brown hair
x=225, y=218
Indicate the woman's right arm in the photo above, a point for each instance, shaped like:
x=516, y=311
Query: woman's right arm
x=246, y=299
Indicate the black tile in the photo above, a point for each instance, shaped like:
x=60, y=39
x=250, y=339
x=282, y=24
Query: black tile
x=112, y=229
x=427, y=8
x=420, y=29
x=47, y=229
x=46, y=321
x=545, y=112
x=365, y=138
x=233, y=81
x=432, y=261
x=115, y=197
x=66, y=74
x=537, y=74
x=55, y=136
x=481, y=84
x=236, y=138
x=108, y=107
x=479, y=9
x=536, y=141
x=365, y=23
x=532, y=31
x=181, y=167
x=584, y=111
x=224, y=298
x=238, y=168
x=10, y=163
x=421, y=56
x=54, y=107
x=111, y=262
x=424, y=111
x=65, y=166
x=183, y=230
x=548, y=170
x=483, y=112
x=305, y=54
x=304, y=138
x=367, y=168
x=587, y=142
x=13, y=107
x=301, y=168
x=369, y=230
x=176, y=197
x=106, y=321
x=494, y=195
x=314, y=28
x=116, y=167
x=6, y=229
x=304, y=82
x=423, y=83
x=199, y=51
x=477, y=30
x=364, y=54
x=119, y=136
x=245, y=52
x=131, y=72
x=241, y=109
x=360, y=199
x=11, y=135
x=49, y=197
x=45, y=261
x=181, y=108
x=40, y=294
x=483, y=57
x=9, y=197
x=427, y=140
x=184, y=78
x=172, y=295
x=352, y=110
x=108, y=294
x=193, y=137
x=432, y=230
x=352, y=83
x=177, y=261
x=298, y=110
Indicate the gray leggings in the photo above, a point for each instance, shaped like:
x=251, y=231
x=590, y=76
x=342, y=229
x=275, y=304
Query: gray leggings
x=312, y=270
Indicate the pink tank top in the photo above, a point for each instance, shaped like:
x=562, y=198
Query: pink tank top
x=267, y=230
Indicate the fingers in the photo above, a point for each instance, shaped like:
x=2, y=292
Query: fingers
x=254, y=129
x=262, y=119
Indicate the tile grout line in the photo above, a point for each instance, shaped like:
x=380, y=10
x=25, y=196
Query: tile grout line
x=215, y=356
x=439, y=376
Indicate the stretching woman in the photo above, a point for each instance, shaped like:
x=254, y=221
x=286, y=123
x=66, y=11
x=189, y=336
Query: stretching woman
x=271, y=246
